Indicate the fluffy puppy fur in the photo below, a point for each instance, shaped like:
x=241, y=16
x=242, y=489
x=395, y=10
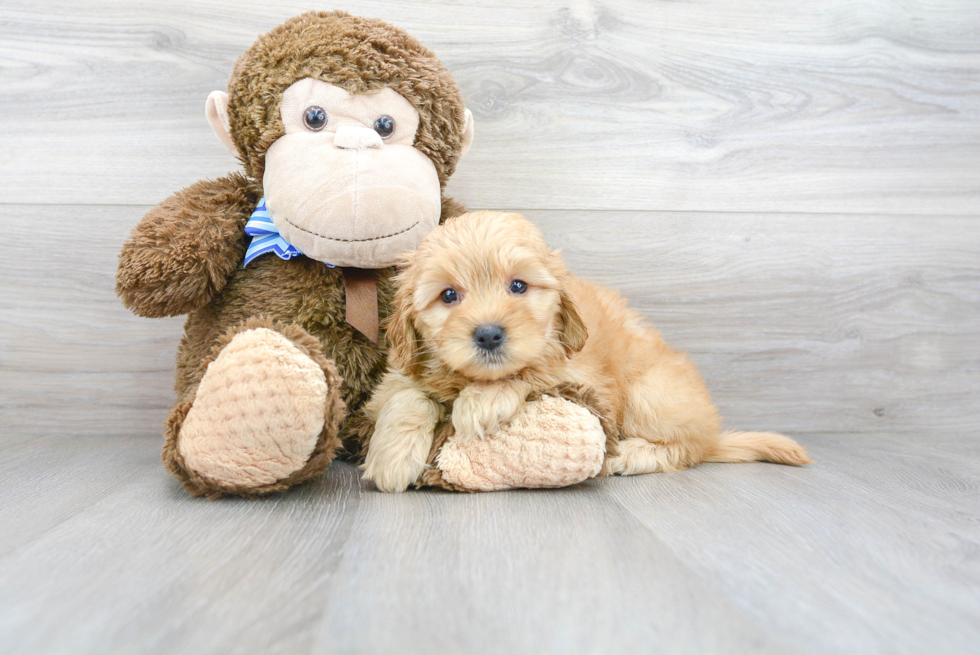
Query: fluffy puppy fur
x=491, y=275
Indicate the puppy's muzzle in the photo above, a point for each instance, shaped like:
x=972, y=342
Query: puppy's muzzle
x=489, y=337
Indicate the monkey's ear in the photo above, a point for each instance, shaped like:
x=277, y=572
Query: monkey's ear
x=468, y=133
x=216, y=109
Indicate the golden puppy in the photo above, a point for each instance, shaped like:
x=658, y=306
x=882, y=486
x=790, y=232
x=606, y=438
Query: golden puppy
x=486, y=313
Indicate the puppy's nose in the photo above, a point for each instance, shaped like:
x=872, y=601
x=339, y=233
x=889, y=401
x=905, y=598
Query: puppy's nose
x=488, y=336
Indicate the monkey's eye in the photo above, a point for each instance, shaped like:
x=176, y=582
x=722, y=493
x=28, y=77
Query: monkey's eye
x=518, y=287
x=315, y=118
x=384, y=126
x=449, y=296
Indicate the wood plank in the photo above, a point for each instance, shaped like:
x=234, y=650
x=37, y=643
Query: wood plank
x=799, y=323
x=150, y=569
x=524, y=572
x=155, y=571
x=803, y=323
x=871, y=549
x=71, y=356
x=826, y=106
x=46, y=480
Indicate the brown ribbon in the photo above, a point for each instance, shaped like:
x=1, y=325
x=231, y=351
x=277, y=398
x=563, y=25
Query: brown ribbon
x=361, y=287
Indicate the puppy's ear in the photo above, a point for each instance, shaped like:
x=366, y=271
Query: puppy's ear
x=573, y=332
x=405, y=348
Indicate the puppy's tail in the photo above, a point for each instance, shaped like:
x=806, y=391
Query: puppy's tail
x=758, y=447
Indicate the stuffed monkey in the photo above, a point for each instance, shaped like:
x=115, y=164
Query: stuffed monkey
x=348, y=129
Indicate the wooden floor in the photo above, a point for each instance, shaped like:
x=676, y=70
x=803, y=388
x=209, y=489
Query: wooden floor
x=873, y=549
x=790, y=191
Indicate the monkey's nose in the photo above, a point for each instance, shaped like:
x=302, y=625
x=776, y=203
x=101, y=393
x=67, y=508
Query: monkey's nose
x=488, y=337
x=356, y=138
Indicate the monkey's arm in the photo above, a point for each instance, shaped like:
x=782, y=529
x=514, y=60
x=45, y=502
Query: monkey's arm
x=184, y=250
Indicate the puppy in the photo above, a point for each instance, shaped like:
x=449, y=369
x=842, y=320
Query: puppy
x=486, y=313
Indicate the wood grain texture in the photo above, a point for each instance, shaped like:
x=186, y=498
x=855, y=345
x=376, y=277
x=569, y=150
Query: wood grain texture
x=872, y=550
x=787, y=190
x=798, y=323
x=824, y=106
x=71, y=357
x=803, y=323
x=843, y=539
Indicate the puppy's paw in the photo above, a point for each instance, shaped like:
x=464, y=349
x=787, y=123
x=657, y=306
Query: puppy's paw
x=393, y=476
x=469, y=419
x=483, y=409
x=403, y=435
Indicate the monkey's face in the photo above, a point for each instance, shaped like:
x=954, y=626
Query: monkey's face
x=344, y=184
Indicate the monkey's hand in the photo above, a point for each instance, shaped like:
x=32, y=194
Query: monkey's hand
x=185, y=249
x=483, y=408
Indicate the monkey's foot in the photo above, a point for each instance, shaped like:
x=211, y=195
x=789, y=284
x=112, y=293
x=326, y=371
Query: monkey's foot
x=553, y=443
x=264, y=416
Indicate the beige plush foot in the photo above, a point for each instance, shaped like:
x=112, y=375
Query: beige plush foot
x=257, y=415
x=552, y=443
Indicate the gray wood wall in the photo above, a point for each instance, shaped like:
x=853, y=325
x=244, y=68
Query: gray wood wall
x=789, y=190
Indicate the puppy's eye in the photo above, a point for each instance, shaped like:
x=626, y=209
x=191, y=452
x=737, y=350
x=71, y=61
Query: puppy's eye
x=518, y=287
x=315, y=118
x=449, y=296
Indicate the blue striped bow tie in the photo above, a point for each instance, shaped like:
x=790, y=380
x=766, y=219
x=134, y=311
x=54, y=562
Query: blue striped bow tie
x=266, y=238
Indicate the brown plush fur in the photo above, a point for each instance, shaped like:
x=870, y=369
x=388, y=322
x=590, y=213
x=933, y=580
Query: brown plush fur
x=186, y=248
x=359, y=55
x=186, y=254
x=562, y=330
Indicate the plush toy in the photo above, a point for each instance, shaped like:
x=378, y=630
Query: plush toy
x=348, y=129
x=562, y=438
